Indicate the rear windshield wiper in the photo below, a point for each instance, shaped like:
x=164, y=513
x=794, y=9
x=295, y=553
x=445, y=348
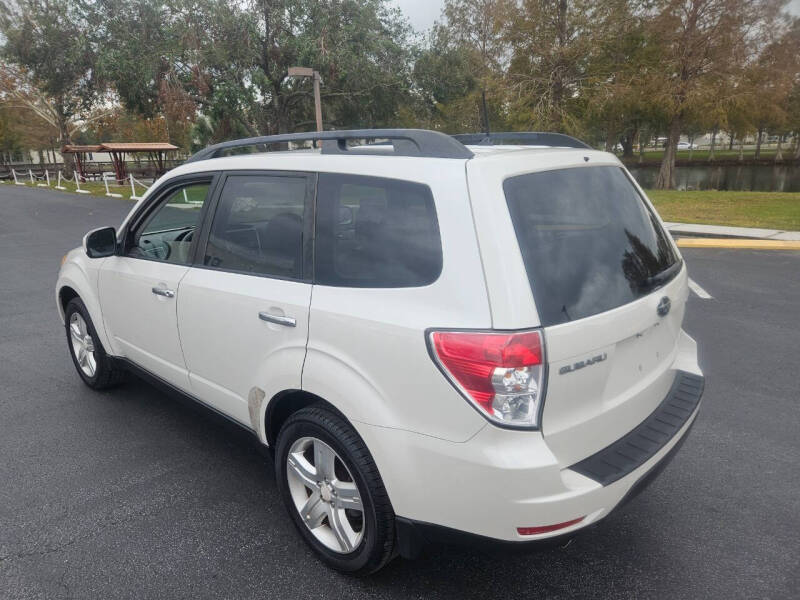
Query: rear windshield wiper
x=662, y=277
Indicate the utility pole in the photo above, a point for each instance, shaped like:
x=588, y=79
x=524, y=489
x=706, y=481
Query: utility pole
x=307, y=72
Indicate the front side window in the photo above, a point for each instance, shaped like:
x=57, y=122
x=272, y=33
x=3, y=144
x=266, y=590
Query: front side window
x=375, y=232
x=588, y=240
x=166, y=234
x=258, y=226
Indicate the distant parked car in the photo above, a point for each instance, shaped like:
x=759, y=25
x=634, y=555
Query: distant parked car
x=685, y=146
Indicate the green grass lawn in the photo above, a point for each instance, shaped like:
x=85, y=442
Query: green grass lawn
x=771, y=210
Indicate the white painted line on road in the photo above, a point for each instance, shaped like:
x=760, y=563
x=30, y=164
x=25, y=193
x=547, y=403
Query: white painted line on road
x=701, y=293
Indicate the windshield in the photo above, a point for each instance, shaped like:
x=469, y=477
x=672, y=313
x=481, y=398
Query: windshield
x=589, y=241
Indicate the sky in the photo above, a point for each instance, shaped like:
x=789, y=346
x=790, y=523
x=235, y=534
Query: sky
x=422, y=13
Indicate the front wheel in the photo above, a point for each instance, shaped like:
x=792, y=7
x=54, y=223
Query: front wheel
x=92, y=363
x=333, y=491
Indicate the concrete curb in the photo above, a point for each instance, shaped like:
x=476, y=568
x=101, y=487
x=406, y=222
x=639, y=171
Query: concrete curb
x=723, y=231
x=741, y=244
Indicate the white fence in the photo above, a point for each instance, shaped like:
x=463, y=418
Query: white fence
x=44, y=181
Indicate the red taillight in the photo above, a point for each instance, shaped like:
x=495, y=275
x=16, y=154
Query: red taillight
x=501, y=373
x=547, y=528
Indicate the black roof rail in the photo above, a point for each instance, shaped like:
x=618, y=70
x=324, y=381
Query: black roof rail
x=531, y=138
x=404, y=142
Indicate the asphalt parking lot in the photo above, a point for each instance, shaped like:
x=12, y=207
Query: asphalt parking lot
x=133, y=494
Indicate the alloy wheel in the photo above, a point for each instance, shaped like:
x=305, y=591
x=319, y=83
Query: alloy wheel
x=325, y=494
x=82, y=344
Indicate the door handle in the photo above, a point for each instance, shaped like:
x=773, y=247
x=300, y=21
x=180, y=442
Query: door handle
x=163, y=292
x=278, y=320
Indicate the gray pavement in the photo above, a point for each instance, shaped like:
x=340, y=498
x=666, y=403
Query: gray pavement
x=133, y=494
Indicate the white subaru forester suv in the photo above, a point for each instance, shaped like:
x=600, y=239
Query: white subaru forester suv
x=441, y=338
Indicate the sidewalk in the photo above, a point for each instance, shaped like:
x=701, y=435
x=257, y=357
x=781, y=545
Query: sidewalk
x=721, y=231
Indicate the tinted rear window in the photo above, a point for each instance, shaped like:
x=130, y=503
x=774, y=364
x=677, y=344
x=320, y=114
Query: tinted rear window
x=589, y=241
x=375, y=232
x=258, y=226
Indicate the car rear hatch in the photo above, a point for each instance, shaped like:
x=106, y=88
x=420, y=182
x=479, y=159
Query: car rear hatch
x=610, y=289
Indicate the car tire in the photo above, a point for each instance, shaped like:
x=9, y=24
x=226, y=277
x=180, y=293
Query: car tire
x=306, y=440
x=94, y=366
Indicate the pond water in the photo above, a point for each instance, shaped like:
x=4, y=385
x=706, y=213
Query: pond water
x=756, y=178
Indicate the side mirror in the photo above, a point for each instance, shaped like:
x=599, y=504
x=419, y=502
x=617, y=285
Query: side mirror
x=99, y=243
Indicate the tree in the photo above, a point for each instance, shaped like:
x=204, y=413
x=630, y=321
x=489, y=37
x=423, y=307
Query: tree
x=22, y=130
x=475, y=29
x=793, y=117
x=779, y=66
x=445, y=81
x=51, y=70
x=551, y=41
x=618, y=103
x=10, y=134
x=231, y=61
x=702, y=43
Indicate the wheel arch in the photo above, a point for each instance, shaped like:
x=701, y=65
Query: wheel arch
x=284, y=404
x=73, y=282
x=65, y=294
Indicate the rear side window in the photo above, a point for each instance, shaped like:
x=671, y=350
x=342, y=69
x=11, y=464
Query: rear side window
x=589, y=241
x=375, y=232
x=258, y=226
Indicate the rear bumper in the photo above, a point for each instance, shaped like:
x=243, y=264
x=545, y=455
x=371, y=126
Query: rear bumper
x=501, y=480
x=414, y=536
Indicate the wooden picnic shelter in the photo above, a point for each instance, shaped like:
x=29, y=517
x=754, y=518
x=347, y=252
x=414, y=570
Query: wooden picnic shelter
x=80, y=151
x=155, y=150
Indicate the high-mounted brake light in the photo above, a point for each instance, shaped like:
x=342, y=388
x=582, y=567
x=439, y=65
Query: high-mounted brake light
x=500, y=373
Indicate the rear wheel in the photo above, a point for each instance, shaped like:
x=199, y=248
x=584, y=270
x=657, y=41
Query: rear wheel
x=97, y=370
x=333, y=491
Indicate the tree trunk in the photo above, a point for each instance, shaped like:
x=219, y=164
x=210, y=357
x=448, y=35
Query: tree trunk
x=666, y=174
x=741, y=149
x=63, y=138
x=713, y=144
x=730, y=142
x=557, y=85
x=758, y=142
x=281, y=122
x=629, y=140
x=485, y=113
x=797, y=147
x=691, y=146
x=778, y=153
x=643, y=139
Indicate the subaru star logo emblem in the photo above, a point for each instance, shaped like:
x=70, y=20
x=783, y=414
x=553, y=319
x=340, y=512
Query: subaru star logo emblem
x=663, y=307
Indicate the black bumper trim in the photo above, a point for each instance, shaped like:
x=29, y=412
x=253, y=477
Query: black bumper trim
x=637, y=447
x=413, y=537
